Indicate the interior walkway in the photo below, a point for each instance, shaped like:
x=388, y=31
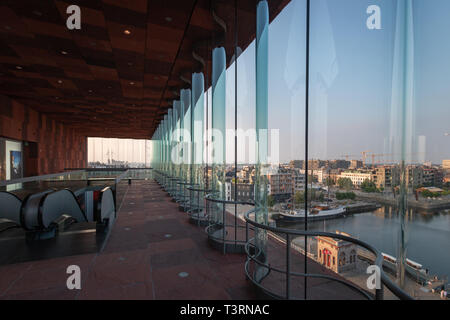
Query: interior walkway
x=153, y=252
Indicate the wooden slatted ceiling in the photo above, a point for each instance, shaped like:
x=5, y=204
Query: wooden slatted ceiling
x=100, y=80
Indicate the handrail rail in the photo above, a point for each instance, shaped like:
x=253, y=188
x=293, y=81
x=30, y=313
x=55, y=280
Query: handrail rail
x=209, y=197
x=4, y=183
x=198, y=188
x=108, y=169
x=122, y=176
x=221, y=225
x=378, y=257
x=312, y=275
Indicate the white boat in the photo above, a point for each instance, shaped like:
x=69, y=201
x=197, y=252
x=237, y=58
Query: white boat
x=409, y=263
x=321, y=212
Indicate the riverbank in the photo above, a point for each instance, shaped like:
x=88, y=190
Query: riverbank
x=361, y=207
x=422, y=204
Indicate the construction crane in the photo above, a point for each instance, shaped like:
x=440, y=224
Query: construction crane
x=379, y=155
x=364, y=155
x=347, y=156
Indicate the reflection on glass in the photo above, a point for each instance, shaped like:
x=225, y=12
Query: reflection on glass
x=378, y=132
x=198, y=84
x=261, y=167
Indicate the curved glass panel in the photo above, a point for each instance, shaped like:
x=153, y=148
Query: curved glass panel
x=218, y=150
x=187, y=135
x=198, y=127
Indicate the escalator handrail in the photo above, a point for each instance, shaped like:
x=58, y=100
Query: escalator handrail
x=41, y=204
x=13, y=194
x=98, y=212
x=24, y=202
x=17, y=198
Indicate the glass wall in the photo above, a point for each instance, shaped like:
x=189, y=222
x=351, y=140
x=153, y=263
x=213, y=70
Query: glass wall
x=349, y=121
x=352, y=108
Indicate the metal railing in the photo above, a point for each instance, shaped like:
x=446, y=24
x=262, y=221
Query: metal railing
x=194, y=193
x=255, y=255
x=217, y=229
x=181, y=195
x=195, y=207
x=4, y=183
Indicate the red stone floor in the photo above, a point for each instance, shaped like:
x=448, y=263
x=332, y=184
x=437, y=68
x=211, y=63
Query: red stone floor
x=150, y=245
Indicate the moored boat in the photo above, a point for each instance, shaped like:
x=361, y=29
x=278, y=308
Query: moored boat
x=320, y=212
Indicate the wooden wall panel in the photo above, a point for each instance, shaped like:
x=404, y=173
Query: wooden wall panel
x=58, y=146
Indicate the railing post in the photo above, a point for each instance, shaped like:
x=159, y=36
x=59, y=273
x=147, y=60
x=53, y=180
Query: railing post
x=288, y=266
x=235, y=223
x=379, y=293
x=246, y=231
x=198, y=207
x=198, y=204
x=223, y=226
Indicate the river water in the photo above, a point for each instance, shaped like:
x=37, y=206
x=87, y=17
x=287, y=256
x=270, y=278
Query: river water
x=427, y=234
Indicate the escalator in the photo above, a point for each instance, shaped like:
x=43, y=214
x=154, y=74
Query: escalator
x=41, y=213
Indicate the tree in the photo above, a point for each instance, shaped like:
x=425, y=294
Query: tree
x=270, y=201
x=329, y=181
x=345, y=195
x=429, y=194
x=345, y=183
x=368, y=186
x=299, y=197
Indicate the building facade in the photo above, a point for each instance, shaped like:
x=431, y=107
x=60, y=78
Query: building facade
x=356, y=164
x=414, y=176
x=335, y=254
x=298, y=181
x=245, y=191
x=446, y=165
x=280, y=184
x=357, y=177
x=386, y=177
x=433, y=176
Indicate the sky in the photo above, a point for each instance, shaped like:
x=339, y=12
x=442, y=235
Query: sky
x=130, y=150
x=351, y=81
